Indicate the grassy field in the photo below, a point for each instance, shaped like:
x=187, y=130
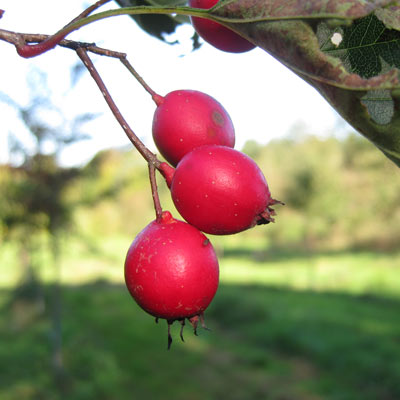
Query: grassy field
x=285, y=326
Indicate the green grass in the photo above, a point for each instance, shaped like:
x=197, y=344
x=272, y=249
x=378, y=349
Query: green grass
x=241, y=262
x=284, y=326
x=265, y=343
x=350, y=272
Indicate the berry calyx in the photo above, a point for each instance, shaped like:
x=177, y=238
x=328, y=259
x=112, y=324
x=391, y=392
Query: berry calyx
x=172, y=272
x=186, y=119
x=215, y=34
x=221, y=191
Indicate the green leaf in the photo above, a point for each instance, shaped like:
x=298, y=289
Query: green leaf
x=359, y=77
x=370, y=47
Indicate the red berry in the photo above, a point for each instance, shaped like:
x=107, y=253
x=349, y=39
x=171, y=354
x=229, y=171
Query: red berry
x=171, y=270
x=221, y=191
x=217, y=35
x=186, y=119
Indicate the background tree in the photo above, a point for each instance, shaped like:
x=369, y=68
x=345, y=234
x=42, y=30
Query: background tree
x=34, y=211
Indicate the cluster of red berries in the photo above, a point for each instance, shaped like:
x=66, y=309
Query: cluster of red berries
x=171, y=268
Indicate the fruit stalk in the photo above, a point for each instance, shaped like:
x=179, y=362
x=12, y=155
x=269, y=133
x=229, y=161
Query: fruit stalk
x=154, y=191
x=146, y=87
x=139, y=145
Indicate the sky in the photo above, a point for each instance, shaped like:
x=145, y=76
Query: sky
x=265, y=100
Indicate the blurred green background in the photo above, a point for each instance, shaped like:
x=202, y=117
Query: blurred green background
x=308, y=307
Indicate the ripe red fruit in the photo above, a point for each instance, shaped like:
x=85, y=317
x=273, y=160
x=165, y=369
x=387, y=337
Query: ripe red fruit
x=172, y=272
x=186, y=119
x=221, y=191
x=217, y=35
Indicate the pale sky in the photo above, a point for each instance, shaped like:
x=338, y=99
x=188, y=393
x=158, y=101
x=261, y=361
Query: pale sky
x=264, y=99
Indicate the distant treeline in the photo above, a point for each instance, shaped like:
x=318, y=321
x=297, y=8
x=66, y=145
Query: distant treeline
x=338, y=194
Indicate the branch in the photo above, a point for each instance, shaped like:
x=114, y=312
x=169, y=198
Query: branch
x=84, y=18
x=17, y=38
x=27, y=51
x=143, y=150
x=82, y=49
x=21, y=39
x=154, y=191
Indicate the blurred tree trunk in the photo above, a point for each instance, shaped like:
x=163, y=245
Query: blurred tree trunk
x=56, y=336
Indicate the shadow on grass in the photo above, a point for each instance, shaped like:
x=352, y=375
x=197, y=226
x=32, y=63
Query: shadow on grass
x=275, y=255
x=265, y=344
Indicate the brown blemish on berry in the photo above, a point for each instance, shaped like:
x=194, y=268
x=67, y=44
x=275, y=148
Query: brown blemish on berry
x=218, y=118
x=211, y=132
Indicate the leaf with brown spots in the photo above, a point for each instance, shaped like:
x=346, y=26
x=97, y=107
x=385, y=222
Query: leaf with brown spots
x=359, y=76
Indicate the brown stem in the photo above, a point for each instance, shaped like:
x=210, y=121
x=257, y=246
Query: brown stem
x=154, y=191
x=18, y=38
x=29, y=50
x=82, y=49
x=143, y=150
x=156, y=97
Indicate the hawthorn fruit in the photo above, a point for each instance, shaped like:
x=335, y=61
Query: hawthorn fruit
x=172, y=271
x=220, y=190
x=215, y=34
x=186, y=119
